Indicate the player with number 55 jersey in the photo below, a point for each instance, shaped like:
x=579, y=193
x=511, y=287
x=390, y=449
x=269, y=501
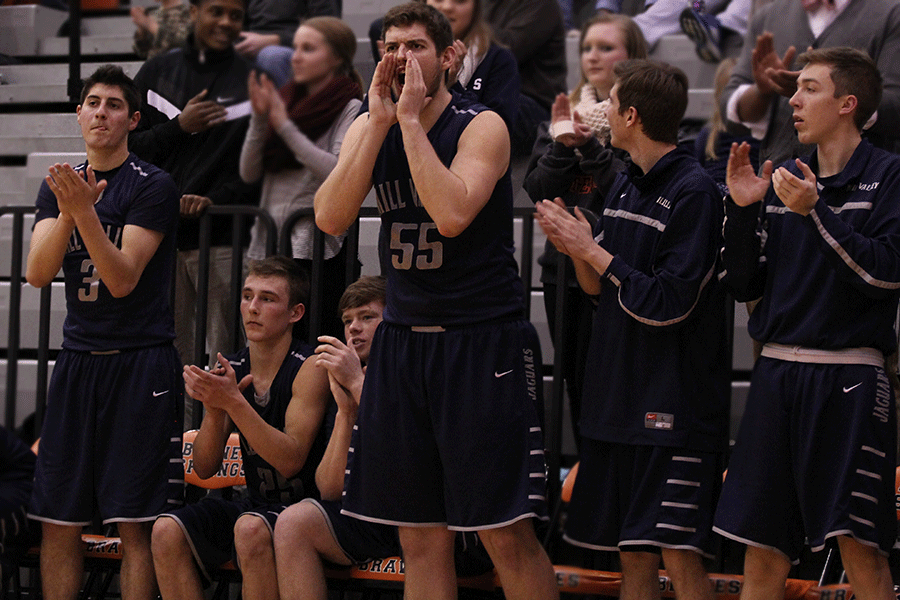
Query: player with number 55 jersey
x=449, y=412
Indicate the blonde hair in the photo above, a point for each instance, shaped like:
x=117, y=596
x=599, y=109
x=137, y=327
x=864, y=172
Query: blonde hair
x=716, y=122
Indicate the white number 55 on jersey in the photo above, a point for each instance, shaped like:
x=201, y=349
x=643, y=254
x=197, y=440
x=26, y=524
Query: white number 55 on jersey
x=410, y=240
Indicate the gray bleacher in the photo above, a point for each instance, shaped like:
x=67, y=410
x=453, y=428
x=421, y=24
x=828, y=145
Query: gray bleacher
x=37, y=137
x=22, y=28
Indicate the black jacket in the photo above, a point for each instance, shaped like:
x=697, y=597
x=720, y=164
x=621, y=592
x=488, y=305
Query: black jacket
x=205, y=163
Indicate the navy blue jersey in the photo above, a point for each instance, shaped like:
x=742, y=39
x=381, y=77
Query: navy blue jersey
x=657, y=371
x=830, y=279
x=139, y=194
x=432, y=279
x=264, y=483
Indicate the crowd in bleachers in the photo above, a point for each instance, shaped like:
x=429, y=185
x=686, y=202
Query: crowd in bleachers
x=257, y=103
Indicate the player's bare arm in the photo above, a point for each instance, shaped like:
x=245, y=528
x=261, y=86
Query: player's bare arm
x=286, y=450
x=48, y=247
x=572, y=236
x=744, y=185
x=120, y=269
x=210, y=442
x=453, y=197
x=342, y=193
x=209, y=445
x=331, y=469
x=49, y=241
x=345, y=376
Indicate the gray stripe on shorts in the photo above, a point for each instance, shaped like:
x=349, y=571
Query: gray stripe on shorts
x=875, y=476
x=863, y=521
x=874, y=451
x=676, y=527
x=690, y=459
x=865, y=497
x=683, y=482
x=681, y=505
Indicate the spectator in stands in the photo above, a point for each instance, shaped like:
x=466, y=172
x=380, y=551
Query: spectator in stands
x=713, y=144
x=115, y=402
x=194, y=116
x=455, y=305
x=483, y=68
x=762, y=82
x=272, y=393
x=818, y=243
x=574, y=162
x=710, y=27
x=158, y=30
x=292, y=144
x=312, y=531
x=269, y=35
x=656, y=396
x=533, y=30
x=17, y=534
x=708, y=24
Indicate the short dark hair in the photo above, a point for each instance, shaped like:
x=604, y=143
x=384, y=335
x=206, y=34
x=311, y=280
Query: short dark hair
x=368, y=288
x=658, y=91
x=113, y=75
x=436, y=24
x=854, y=73
x=286, y=268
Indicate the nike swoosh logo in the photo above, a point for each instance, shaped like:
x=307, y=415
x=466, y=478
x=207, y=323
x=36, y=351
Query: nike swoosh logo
x=853, y=387
x=157, y=394
x=499, y=375
x=221, y=100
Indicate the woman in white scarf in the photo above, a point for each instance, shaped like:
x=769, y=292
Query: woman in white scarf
x=605, y=40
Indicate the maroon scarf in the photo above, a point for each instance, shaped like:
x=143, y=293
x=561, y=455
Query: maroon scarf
x=313, y=115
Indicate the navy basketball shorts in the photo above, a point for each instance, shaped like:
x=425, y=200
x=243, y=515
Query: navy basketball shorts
x=208, y=526
x=814, y=458
x=360, y=541
x=111, y=439
x=635, y=498
x=449, y=429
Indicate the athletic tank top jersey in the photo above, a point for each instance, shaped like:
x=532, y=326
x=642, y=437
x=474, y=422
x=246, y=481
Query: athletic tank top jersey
x=264, y=483
x=432, y=279
x=137, y=194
